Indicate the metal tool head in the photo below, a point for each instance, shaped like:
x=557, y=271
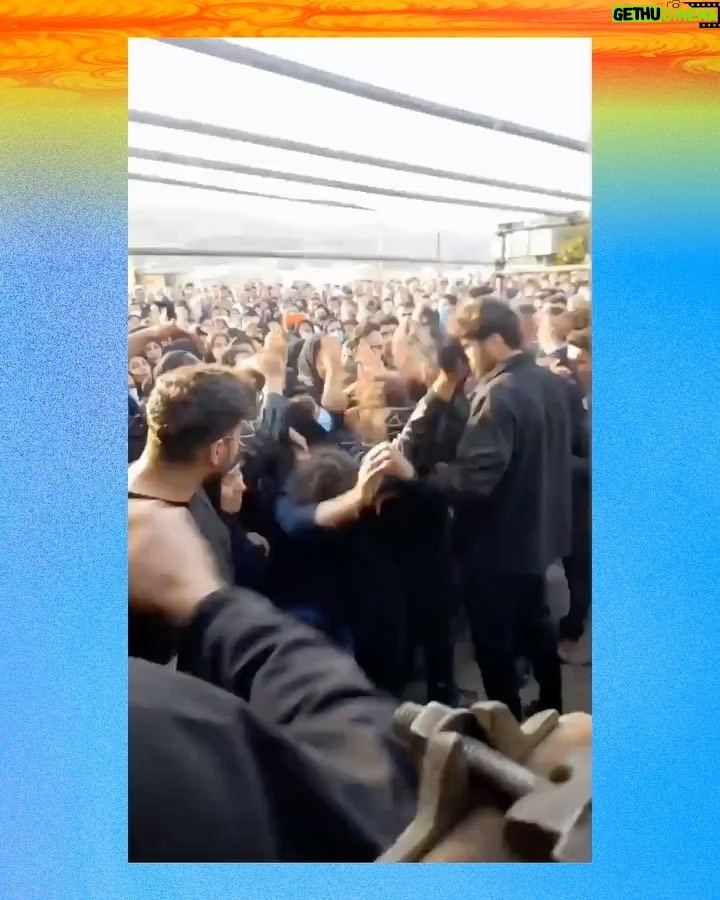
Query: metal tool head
x=554, y=823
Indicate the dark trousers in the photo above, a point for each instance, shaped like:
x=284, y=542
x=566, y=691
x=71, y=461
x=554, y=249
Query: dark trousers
x=436, y=641
x=578, y=574
x=508, y=614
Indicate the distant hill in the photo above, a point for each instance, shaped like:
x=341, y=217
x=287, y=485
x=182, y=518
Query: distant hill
x=201, y=231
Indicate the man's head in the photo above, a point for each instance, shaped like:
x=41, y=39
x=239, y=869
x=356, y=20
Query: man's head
x=322, y=314
x=335, y=328
x=305, y=329
x=482, y=290
x=527, y=314
x=251, y=320
x=241, y=349
x=388, y=326
x=553, y=326
x=580, y=351
x=369, y=333
x=195, y=415
x=489, y=332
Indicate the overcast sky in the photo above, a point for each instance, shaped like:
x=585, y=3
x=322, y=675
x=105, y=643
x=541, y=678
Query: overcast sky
x=544, y=83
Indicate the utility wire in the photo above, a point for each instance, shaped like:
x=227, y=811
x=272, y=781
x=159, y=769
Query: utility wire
x=177, y=182
x=239, y=169
x=262, y=140
x=256, y=59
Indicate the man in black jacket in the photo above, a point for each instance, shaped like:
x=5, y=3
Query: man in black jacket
x=270, y=745
x=510, y=486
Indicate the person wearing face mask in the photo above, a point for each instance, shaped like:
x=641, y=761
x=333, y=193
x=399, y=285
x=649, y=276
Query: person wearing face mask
x=554, y=325
x=334, y=328
x=194, y=418
x=305, y=330
x=322, y=314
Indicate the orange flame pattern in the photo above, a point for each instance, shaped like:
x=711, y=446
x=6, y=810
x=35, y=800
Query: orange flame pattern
x=81, y=47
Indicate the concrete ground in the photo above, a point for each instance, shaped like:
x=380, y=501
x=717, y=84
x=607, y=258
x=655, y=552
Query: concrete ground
x=577, y=681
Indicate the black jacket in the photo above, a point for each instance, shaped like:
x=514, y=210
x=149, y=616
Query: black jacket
x=271, y=747
x=510, y=480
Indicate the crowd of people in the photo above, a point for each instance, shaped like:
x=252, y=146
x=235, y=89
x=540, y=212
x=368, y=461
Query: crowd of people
x=326, y=484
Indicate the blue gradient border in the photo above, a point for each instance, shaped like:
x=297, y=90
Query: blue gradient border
x=63, y=818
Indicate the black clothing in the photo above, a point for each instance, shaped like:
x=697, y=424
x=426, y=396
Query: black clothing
x=285, y=755
x=578, y=562
x=510, y=484
x=510, y=477
x=174, y=359
x=414, y=529
x=307, y=373
x=508, y=616
x=137, y=430
x=215, y=532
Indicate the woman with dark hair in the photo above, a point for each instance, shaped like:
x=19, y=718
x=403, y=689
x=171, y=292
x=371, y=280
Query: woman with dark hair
x=140, y=373
x=310, y=573
x=249, y=554
x=304, y=330
x=218, y=345
x=330, y=566
x=174, y=359
x=320, y=373
x=153, y=352
x=241, y=349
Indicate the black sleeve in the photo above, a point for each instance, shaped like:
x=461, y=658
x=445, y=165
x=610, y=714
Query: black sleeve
x=483, y=453
x=209, y=780
x=580, y=431
x=418, y=439
x=315, y=695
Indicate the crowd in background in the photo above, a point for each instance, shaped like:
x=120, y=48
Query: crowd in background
x=366, y=468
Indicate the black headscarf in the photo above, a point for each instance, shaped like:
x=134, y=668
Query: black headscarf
x=185, y=345
x=308, y=376
x=173, y=360
x=301, y=420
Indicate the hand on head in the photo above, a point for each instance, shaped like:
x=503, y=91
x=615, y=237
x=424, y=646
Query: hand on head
x=383, y=460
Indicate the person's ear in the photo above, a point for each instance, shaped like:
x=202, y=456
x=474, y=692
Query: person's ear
x=215, y=453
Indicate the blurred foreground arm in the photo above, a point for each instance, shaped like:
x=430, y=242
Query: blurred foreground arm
x=282, y=751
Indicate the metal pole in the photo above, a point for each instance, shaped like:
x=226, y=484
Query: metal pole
x=238, y=169
x=256, y=59
x=297, y=254
x=248, y=137
x=177, y=182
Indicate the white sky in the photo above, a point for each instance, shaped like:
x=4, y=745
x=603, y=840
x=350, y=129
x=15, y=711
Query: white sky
x=544, y=83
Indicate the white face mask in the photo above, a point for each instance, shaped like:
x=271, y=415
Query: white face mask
x=324, y=419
